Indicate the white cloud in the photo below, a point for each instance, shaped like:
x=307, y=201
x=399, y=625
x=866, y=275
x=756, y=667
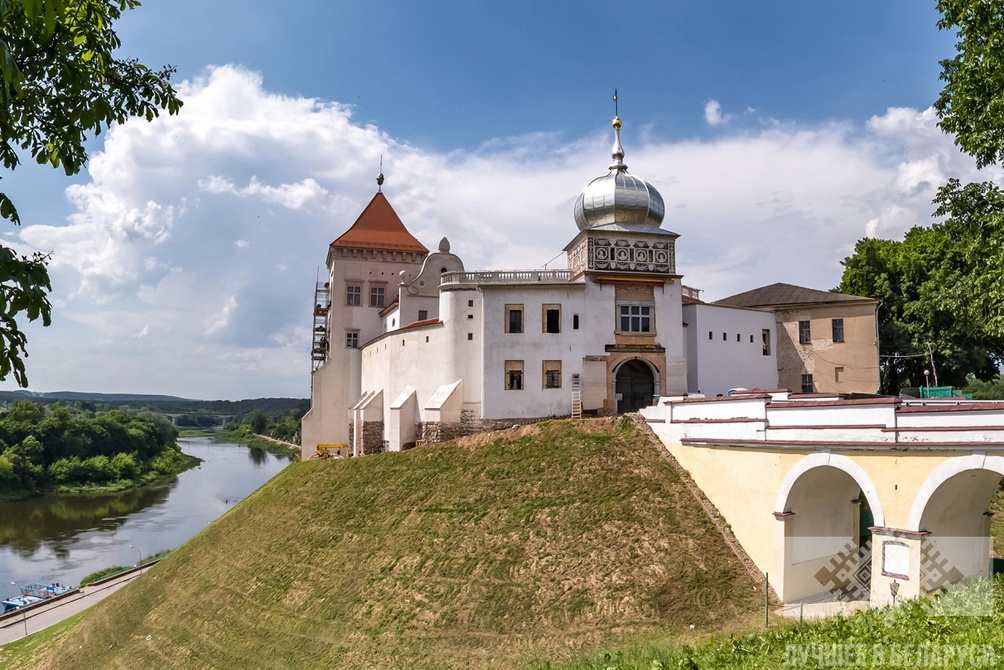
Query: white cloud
x=189, y=261
x=713, y=114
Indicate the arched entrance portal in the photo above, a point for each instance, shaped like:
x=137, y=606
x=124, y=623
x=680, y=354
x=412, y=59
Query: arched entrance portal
x=952, y=512
x=634, y=385
x=825, y=506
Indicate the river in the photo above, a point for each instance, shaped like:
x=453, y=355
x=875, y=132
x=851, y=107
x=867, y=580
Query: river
x=62, y=538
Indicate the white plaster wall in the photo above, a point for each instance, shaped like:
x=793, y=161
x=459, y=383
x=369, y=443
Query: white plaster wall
x=717, y=365
x=367, y=272
x=720, y=409
x=416, y=357
x=835, y=415
x=954, y=418
x=669, y=334
x=334, y=388
x=533, y=346
x=461, y=313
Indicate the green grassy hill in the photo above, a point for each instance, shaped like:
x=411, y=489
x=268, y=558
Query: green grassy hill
x=543, y=542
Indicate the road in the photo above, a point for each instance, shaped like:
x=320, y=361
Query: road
x=37, y=618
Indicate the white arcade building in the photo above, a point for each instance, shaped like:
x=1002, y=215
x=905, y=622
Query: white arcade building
x=409, y=346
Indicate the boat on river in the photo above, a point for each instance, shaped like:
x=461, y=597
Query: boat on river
x=34, y=593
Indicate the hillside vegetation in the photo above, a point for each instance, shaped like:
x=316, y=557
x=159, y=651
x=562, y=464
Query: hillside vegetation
x=542, y=542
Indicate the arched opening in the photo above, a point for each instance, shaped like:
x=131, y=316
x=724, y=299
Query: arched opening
x=634, y=385
x=956, y=524
x=827, y=505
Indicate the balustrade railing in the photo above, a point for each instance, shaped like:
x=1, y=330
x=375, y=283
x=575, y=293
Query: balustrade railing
x=506, y=277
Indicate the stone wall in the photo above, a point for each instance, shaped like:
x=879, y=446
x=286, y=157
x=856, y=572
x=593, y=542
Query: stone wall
x=373, y=442
x=430, y=432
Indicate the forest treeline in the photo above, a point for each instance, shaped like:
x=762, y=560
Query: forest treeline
x=164, y=404
x=70, y=447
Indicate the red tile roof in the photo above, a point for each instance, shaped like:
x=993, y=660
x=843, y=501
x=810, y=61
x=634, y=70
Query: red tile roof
x=379, y=227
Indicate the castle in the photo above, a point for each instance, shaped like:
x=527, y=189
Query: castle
x=410, y=347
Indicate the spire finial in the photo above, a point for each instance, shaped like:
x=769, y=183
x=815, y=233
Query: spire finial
x=380, y=176
x=618, y=150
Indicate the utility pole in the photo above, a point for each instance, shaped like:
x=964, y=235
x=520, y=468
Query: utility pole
x=930, y=355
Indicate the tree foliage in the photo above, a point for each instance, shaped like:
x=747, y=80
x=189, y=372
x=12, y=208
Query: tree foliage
x=921, y=316
x=60, y=84
x=971, y=106
x=943, y=287
x=41, y=448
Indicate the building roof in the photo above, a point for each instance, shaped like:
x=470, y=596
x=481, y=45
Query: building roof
x=379, y=227
x=780, y=295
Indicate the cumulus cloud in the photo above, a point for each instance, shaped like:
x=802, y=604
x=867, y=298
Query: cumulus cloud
x=190, y=257
x=713, y=114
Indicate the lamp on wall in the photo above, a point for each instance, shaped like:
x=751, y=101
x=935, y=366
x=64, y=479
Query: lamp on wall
x=894, y=589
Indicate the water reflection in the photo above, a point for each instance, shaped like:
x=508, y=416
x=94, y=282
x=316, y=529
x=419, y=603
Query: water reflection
x=52, y=521
x=63, y=538
x=257, y=455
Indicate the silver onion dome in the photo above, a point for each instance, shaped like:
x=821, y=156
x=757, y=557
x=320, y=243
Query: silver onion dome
x=618, y=200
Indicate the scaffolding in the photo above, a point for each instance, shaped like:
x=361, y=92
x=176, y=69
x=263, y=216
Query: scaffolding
x=322, y=305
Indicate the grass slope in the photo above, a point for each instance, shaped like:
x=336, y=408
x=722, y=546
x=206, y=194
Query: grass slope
x=549, y=542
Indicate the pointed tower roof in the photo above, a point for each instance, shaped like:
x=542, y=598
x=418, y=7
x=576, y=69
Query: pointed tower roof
x=379, y=227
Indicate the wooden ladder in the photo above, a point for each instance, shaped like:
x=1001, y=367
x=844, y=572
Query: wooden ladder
x=576, y=396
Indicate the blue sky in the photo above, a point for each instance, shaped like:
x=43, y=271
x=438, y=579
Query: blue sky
x=778, y=133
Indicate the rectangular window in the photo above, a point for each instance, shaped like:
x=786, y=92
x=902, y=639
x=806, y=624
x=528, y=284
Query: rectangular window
x=838, y=330
x=751, y=339
x=725, y=337
x=353, y=295
x=514, y=375
x=635, y=318
x=738, y=337
x=804, y=334
x=575, y=322
x=423, y=314
x=514, y=318
x=838, y=374
x=807, y=384
x=765, y=335
x=470, y=336
x=351, y=340
x=376, y=296
x=552, y=374
x=551, y=318
x=711, y=335
x=470, y=303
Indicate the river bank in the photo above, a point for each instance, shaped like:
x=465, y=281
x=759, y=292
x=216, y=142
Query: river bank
x=164, y=472
x=63, y=538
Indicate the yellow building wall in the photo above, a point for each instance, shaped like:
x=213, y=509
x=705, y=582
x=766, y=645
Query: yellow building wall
x=725, y=475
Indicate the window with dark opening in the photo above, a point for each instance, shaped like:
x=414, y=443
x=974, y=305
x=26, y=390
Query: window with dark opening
x=838, y=330
x=552, y=319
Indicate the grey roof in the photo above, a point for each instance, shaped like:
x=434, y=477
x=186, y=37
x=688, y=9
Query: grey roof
x=778, y=295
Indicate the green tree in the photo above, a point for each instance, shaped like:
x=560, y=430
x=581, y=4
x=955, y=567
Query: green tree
x=921, y=317
x=60, y=84
x=971, y=106
x=257, y=421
